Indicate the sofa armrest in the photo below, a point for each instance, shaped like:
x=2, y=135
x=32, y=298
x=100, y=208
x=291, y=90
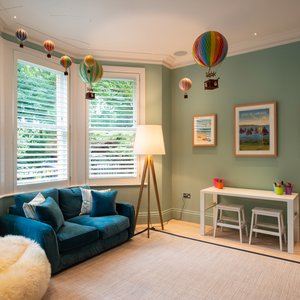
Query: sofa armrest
x=40, y=232
x=127, y=210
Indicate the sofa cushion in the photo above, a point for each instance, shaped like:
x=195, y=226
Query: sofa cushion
x=71, y=236
x=103, y=204
x=108, y=225
x=87, y=200
x=20, y=199
x=70, y=200
x=49, y=212
x=29, y=208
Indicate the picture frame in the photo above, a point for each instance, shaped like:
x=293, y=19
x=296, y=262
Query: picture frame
x=204, y=130
x=255, y=129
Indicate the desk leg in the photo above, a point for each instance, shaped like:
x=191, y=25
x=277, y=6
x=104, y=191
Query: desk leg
x=290, y=226
x=202, y=213
x=215, y=201
x=296, y=219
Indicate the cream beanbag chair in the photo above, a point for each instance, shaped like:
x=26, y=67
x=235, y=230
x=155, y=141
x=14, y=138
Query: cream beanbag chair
x=24, y=269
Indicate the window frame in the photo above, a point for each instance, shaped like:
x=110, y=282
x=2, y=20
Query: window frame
x=120, y=72
x=44, y=63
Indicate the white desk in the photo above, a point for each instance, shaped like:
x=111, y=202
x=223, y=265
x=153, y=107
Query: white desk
x=292, y=202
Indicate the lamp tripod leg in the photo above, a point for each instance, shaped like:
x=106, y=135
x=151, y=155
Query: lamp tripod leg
x=141, y=189
x=156, y=191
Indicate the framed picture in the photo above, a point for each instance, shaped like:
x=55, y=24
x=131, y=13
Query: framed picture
x=204, y=130
x=255, y=129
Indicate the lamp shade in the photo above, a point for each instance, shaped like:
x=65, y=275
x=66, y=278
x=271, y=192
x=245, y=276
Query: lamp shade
x=149, y=140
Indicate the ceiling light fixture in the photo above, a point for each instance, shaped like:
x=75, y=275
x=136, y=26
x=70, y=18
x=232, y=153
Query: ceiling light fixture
x=15, y=17
x=255, y=33
x=180, y=53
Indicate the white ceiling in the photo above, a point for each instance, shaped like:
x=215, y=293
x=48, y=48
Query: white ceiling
x=151, y=30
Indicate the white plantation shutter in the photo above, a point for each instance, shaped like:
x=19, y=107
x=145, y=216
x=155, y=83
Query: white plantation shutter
x=112, y=125
x=42, y=124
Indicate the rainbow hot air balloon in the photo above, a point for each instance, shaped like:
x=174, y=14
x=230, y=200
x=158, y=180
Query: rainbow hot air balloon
x=95, y=74
x=49, y=47
x=21, y=35
x=89, y=62
x=210, y=49
x=185, y=84
x=66, y=62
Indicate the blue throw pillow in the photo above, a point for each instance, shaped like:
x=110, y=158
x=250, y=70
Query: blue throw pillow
x=103, y=204
x=70, y=201
x=50, y=213
x=27, y=197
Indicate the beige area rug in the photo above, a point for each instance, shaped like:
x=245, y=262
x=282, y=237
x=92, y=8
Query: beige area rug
x=170, y=267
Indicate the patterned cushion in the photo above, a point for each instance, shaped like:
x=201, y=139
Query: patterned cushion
x=29, y=208
x=87, y=199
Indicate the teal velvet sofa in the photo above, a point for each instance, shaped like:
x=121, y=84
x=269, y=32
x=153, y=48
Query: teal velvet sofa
x=79, y=238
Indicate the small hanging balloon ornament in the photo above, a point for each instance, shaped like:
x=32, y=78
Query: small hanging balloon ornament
x=66, y=62
x=95, y=74
x=21, y=35
x=49, y=47
x=89, y=61
x=185, y=84
x=210, y=49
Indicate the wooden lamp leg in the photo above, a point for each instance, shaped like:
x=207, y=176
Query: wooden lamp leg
x=141, y=189
x=156, y=191
x=148, y=166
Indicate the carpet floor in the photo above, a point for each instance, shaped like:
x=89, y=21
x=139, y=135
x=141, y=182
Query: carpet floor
x=169, y=267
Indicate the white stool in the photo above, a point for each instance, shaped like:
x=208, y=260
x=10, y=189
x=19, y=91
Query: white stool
x=276, y=213
x=223, y=221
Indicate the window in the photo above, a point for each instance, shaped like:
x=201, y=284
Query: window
x=113, y=116
x=42, y=124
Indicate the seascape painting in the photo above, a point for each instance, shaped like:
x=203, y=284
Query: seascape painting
x=204, y=130
x=255, y=129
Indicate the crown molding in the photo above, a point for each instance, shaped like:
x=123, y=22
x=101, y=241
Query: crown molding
x=169, y=61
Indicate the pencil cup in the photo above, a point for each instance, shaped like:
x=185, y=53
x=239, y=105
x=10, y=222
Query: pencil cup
x=218, y=183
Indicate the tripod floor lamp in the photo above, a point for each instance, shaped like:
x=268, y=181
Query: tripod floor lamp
x=149, y=141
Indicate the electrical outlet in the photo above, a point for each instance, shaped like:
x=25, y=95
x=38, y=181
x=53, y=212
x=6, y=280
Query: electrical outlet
x=186, y=195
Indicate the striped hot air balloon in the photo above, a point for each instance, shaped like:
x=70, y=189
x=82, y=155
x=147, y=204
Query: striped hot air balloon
x=21, y=35
x=66, y=62
x=185, y=84
x=89, y=62
x=209, y=49
x=49, y=47
x=95, y=74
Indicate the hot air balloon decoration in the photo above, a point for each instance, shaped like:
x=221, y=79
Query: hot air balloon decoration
x=66, y=62
x=95, y=74
x=21, y=35
x=185, y=84
x=89, y=62
x=49, y=47
x=210, y=49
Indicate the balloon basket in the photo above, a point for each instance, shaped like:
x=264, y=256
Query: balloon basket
x=211, y=84
x=90, y=96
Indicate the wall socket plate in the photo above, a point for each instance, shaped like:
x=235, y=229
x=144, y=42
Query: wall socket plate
x=186, y=195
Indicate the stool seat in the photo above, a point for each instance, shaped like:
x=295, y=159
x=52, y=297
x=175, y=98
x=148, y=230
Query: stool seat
x=259, y=227
x=267, y=211
x=230, y=207
x=224, y=221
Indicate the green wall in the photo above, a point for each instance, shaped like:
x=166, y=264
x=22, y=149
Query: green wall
x=267, y=75
x=260, y=76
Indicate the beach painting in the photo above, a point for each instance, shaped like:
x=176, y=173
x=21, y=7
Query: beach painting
x=204, y=130
x=255, y=130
